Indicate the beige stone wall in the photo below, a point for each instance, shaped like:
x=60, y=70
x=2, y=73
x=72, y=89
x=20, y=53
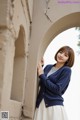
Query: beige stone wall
x=15, y=19
x=26, y=29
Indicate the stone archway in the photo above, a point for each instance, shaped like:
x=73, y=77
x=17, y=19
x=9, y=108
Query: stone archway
x=69, y=21
x=36, y=53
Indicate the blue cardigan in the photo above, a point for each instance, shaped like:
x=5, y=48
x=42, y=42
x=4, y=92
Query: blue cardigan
x=53, y=87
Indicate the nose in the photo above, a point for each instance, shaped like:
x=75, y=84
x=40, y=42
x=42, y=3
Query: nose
x=62, y=55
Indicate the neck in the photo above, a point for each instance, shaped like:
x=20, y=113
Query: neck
x=59, y=65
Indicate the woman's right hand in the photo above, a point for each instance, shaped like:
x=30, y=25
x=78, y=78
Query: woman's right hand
x=39, y=68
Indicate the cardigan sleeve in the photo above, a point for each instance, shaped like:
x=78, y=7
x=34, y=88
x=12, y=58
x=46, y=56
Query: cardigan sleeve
x=46, y=67
x=60, y=86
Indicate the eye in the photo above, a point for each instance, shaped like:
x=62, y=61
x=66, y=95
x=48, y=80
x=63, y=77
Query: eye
x=60, y=51
x=66, y=55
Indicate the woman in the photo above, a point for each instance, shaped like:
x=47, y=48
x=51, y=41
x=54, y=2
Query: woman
x=54, y=81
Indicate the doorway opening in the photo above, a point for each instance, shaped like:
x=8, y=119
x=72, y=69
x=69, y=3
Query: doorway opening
x=72, y=96
x=19, y=68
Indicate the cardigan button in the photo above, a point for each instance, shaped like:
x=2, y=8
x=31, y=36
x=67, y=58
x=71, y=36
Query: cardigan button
x=46, y=105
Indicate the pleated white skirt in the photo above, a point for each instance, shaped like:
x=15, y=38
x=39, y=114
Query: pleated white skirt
x=51, y=113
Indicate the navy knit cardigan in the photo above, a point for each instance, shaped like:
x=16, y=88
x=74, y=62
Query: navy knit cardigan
x=53, y=87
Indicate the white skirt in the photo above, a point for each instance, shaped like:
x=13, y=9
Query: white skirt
x=56, y=112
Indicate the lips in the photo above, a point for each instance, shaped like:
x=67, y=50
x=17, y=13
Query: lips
x=60, y=58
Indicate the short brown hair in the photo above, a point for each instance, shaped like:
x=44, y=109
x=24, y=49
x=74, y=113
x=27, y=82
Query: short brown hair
x=70, y=52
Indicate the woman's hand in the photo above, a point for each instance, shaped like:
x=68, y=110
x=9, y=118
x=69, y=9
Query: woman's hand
x=40, y=69
x=42, y=62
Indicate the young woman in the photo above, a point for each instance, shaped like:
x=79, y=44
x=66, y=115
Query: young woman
x=54, y=81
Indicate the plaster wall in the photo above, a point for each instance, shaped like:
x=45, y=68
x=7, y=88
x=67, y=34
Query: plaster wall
x=14, y=26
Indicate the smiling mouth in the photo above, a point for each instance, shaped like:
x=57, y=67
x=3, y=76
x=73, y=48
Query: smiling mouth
x=60, y=58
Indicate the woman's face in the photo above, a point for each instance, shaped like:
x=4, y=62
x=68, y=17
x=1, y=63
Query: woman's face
x=62, y=57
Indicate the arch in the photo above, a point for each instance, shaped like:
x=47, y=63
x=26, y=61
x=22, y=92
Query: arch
x=19, y=67
x=66, y=22
x=35, y=55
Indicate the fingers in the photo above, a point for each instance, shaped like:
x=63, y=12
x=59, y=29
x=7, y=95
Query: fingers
x=42, y=61
x=39, y=65
x=39, y=68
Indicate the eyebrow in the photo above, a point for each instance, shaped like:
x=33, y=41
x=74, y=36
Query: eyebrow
x=66, y=52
